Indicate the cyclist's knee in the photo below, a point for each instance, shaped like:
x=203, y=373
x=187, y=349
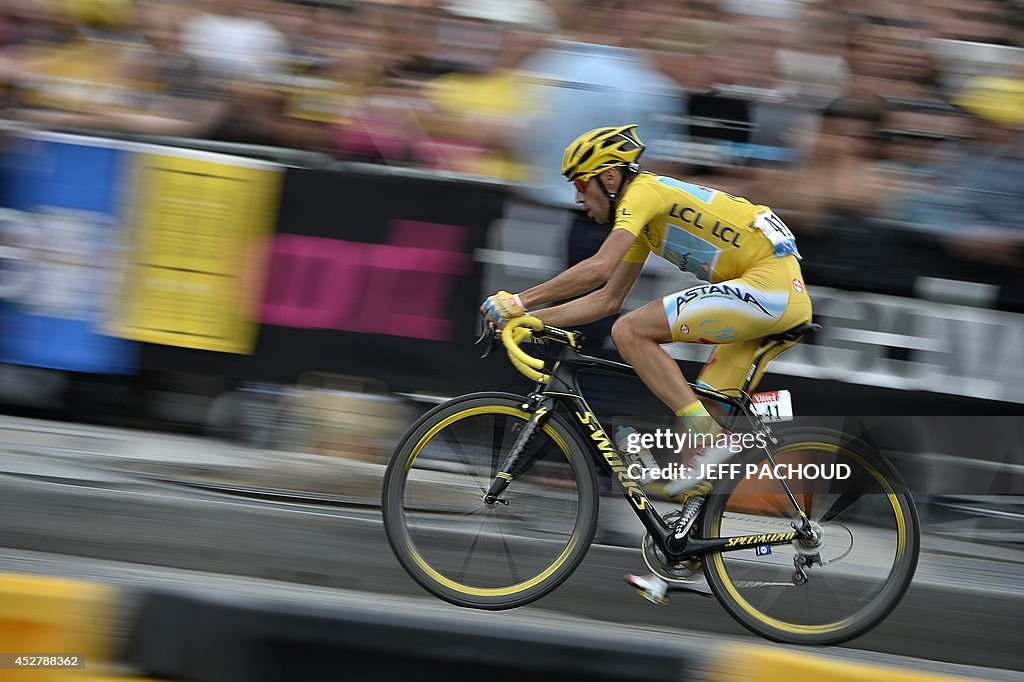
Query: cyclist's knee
x=642, y=325
x=630, y=329
x=624, y=331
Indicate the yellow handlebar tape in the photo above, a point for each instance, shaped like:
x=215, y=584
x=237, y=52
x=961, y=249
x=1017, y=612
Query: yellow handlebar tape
x=516, y=331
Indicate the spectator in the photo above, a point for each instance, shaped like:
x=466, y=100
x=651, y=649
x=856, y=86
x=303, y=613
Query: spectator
x=382, y=73
x=989, y=173
x=920, y=148
x=979, y=21
x=8, y=64
x=476, y=114
x=77, y=79
x=833, y=184
x=814, y=66
x=246, y=56
x=171, y=95
x=888, y=58
x=337, y=63
x=840, y=197
x=591, y=75
x=134, y=74
x=595, y=77
x=686, y=39
x=231, y=44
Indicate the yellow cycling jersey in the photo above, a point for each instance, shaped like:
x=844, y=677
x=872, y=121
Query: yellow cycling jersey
x=710, y=233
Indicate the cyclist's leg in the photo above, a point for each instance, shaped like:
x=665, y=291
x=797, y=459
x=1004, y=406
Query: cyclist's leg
x=729, y=365
x=735, y=316
x=767, y=308
x=638, y=336
x=730, y=312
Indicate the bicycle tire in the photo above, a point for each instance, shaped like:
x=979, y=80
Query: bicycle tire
x=430, y=577
x=896, y=494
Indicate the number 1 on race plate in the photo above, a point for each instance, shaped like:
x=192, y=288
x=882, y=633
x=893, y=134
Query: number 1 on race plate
x=773, y=406
x=783, y=241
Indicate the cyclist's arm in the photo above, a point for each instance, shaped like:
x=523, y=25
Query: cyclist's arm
x=585, y=276
x=597, y=304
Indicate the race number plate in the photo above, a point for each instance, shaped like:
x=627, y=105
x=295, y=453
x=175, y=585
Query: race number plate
x=773, y=406
x=783, y=241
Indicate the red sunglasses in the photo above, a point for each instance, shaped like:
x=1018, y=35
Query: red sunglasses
x=581, y=184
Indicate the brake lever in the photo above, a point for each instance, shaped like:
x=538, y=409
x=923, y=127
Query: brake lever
x=488, y=335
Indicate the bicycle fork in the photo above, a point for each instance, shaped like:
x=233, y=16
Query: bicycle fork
x=516, y=463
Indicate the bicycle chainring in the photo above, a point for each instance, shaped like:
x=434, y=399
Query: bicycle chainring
x=659, y=564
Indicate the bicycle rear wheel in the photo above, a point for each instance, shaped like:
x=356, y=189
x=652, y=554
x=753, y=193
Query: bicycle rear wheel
x=871, y=542
x=466, y=552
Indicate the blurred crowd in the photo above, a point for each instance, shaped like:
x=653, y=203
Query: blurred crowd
x=851, y=113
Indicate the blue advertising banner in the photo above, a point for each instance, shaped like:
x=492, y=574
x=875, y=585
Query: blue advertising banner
x=60, y=232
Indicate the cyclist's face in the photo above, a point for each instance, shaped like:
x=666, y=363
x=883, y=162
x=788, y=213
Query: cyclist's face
x=593, y=199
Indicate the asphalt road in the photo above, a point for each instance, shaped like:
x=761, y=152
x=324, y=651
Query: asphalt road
x=960, y=610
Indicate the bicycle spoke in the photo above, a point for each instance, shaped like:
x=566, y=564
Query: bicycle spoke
x=857, y=487
x=497, y=445
x=464, y=457
x=774, y=597
x=514, y=516
x=474, y=511
x=817, y=515
x=824, y=581
x=461, y=575
x=859, y=555
x=508, y=554
x=471, y=553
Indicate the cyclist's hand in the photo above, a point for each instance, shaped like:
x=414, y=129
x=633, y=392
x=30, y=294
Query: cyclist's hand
x=502, y=307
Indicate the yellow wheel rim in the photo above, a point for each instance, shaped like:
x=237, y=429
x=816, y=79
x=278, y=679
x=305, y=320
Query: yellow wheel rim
x=485, y=591
x=793, y=628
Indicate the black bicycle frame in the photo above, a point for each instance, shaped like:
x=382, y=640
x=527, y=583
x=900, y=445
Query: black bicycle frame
x=563, y=388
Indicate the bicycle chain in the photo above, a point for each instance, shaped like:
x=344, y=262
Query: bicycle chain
x=656, y=562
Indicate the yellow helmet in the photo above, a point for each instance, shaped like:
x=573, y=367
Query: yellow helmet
x=100, y=13
x=601, y=148
x=997, y=99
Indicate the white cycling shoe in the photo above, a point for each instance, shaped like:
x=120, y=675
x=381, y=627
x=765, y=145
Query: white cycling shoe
x=697, y=473
x=652, y=588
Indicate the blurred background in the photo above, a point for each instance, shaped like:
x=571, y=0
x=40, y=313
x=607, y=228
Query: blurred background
x=264, y=227
x=215, y=207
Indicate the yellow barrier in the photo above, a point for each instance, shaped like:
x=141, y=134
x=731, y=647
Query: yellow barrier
x=41, y=615
x=766, y=664
x=112, y=678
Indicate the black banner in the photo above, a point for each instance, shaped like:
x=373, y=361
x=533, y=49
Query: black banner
x=370, y=274
x=373, y=274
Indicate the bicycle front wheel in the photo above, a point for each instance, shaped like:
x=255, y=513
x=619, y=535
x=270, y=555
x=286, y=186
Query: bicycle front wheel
x=496, y=556
x=870, y=541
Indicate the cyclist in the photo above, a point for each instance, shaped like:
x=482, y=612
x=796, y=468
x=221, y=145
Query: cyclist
x=743, y=250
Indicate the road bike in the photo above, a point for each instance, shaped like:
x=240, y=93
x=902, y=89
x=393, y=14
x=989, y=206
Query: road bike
x=490, y=501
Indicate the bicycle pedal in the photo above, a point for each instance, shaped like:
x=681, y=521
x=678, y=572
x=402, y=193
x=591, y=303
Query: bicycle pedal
x=651, y=587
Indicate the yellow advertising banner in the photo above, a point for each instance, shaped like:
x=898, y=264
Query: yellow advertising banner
x=200, y=225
